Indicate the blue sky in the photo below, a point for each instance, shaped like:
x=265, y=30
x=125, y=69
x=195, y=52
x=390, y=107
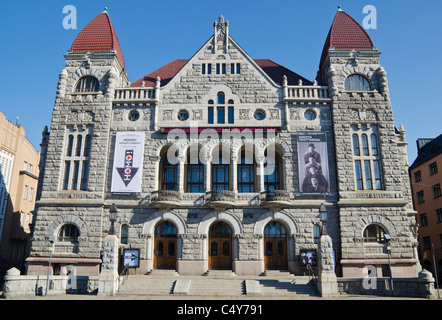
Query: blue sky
x=290, y=32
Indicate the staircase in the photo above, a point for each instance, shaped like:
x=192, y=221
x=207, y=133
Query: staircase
x=217, y=283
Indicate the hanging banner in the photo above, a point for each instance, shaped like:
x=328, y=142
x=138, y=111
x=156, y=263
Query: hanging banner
x=128, y=162
x=313, y=163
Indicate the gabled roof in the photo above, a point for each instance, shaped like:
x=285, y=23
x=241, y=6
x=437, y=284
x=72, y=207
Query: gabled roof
x=98, y=36
x=346, y=34
x=275, y=71
x=428, y=151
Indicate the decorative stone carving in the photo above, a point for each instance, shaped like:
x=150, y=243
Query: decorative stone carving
x=274, y=114
x=197, y=114
x=118, y=115
x=167, y=114
x=294, y=114
x=147, y=114
x=244, y=114
x=80, y=117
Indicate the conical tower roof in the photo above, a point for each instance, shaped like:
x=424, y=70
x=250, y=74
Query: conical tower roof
x=98, y=36
x=346, y=34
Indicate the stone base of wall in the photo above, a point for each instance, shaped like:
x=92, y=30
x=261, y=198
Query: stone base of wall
x=401, y=268
x=16, y=285
x=421, y=287
x=83, y=267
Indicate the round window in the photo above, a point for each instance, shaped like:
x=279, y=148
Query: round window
x=259, y=114
x=310, y=115
x=183, y=115
x=133, y=115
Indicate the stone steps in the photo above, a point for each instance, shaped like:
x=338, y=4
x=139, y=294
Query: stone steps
x=216, y=284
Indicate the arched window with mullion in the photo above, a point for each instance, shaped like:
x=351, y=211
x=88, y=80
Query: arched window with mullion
x=272, y=172
x=169, y=174
x=195, y=173
x=246, y=173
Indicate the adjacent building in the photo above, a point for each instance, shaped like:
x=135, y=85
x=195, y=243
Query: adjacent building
x=222, y=161
x=19, y=164
x=426, y=179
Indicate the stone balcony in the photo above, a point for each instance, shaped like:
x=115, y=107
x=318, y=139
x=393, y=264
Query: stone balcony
x=220, y=199
x=275, y=199
x=166, y=199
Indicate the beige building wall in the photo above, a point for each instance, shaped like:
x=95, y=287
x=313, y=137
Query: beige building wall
x=21, y=190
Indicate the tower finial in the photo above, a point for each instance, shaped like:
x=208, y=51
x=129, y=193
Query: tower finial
x=340, y=8
x=105, y=10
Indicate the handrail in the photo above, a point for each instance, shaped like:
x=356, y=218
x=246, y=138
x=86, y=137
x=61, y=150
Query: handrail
x=123, y=273
x=311, y=273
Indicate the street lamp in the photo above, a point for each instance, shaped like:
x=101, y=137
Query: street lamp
x=52, y=241
x=112, y=218
x=387, y=240
x=323, y=218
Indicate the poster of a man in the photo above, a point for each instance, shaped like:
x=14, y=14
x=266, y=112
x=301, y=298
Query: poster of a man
x=313, y=163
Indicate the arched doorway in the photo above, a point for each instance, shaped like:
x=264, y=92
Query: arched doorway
x=165, y=246
x=275, y=246
x=220, y=246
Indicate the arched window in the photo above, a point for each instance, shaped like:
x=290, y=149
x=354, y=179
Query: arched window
x=374, y=144
x=87, y=146
x=356, y=82
x=78, y=148
x=70, y=145
x=272, y=171
x=195, y=172
x=364, y=140
x=166, y=229
x=220, y=169
x=356, y=150
x=316, y=233
x=374, y=233
x=246, y=173
x=124, y=234
x=221, y=98
x=169, y=175
x=68, y=233
x=87, y=84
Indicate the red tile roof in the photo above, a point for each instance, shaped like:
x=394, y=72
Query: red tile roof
x=166, y=73
x=98, y=36
x=271, y=68
x=346, y=34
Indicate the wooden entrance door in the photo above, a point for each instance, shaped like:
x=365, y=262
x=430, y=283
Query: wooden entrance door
x=220, y=246
x=275, y=246
x=165, y=246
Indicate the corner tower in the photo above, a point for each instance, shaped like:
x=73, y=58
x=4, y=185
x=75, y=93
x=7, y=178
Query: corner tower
x=371, y=159
x=74, y=181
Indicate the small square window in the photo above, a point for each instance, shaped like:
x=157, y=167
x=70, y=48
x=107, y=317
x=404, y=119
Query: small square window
x=420, y=197
x=433, y=168
x=417, y=176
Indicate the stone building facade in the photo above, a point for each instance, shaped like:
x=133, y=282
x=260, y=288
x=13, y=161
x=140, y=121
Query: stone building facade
x=258, y=208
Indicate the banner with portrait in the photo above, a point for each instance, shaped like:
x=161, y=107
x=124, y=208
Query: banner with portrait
x=313, y=163
x=128, y=162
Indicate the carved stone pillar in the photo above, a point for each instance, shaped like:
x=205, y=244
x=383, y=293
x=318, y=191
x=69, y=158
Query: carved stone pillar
x=327, y=282
x=108, y=284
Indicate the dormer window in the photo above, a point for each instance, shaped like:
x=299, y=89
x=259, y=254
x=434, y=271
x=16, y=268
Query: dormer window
x=87, y=84
x=357, y=82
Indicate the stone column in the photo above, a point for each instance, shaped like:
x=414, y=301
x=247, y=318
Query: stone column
x=260, y=173
x=108, y=281
x=207, y=173
x=181, y=176
x=327, y=282
x=234, y=172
